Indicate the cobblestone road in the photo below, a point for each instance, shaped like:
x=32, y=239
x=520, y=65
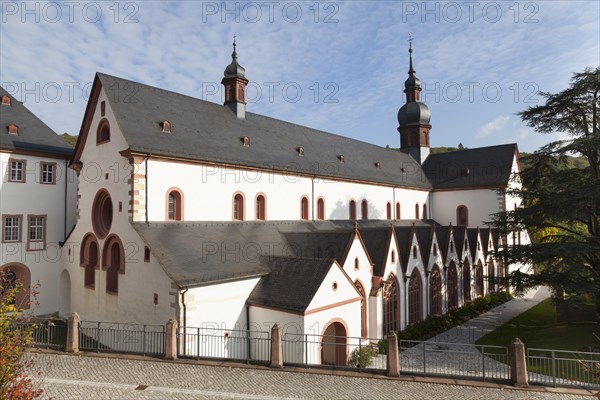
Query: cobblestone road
x=83, y=377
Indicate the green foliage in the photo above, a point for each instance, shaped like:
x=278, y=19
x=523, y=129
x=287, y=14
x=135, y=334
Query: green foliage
x=434, y=325
x=362, y=357
x=72, y=140
x=16, y=333
x=561, y=197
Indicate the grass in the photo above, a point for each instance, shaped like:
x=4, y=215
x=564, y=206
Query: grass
x=537, y=328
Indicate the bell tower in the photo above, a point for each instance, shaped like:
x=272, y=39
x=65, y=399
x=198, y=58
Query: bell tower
x=414, y=117
x=234, y=80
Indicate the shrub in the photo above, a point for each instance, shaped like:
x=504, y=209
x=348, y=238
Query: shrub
x=362, y=357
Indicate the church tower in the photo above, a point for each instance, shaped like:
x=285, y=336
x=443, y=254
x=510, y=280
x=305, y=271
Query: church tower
x=235, y=82
x=414, y=118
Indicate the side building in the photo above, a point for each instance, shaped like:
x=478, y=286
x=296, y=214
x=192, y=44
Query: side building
x=37, y=206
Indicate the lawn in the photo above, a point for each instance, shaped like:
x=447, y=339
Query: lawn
x=537, y=328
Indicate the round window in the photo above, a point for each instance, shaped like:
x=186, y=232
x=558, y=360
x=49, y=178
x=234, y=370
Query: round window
x=102, y=214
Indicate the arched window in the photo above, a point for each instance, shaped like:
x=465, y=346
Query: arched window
x=113, y=261
x=103, y=132
x=415, y=296
x=435, y=291
x=424, y=211
x=417, y=211
x=391, y=305
x=261, y=207
x=397, y=210
x=388, y=210
x=466, y=282
x=321, y=208
x=501, y=284
x=479, y=280
x=462, y=216
x=238, y=207
x=102, y=213
x=452, y=285
x=491, y=277
x=304, y=208
x=352, y=209
x=364, y=209
x=10, y=276
x=174, y=205
x=363, y=309
x=88, y=259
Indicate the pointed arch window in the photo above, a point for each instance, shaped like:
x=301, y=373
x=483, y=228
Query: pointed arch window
x=13, y=274
x=391, y=305
x=113, y=261
x=491, y=277
x=398, y=210
x=388, y=210
x=238, y=207
x=466, y=282
x=352, y=209
x=363, y=309
x=304, y=208
x=89, y=259
x=452, y=284
x=364, y=209
x=174, y=205
x=415, y=298
x=261, y=207
x=479, y=280
x=321, y=208
x=435, y=291
x=462, y=216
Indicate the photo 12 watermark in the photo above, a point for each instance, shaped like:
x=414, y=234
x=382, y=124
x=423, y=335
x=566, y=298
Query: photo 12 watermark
x=469, y=11
x=69, y=11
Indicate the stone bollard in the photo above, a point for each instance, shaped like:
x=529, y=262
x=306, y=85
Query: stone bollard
x=393, y=355
x=276, y=347
x=518, y=365
x=72, y=342
x=171, y=340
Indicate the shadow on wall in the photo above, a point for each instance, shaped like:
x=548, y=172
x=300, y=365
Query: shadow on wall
x=342, y=211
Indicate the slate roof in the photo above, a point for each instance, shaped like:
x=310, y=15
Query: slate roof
x=291, y=283
x=210, y=132
x=487, y=167
x=34, y=135
x=376, y=241
x=202, y=253
x=472, y=235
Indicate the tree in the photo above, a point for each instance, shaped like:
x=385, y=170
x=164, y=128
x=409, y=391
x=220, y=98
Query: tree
x=561, y=203
x=16, y=333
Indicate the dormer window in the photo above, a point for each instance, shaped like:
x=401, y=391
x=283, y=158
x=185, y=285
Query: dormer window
x=378, y=165
x=5, y=100
x=166, y=126
x=341, y=158
x=300, y=151
x=12, y=129
x=245, y=141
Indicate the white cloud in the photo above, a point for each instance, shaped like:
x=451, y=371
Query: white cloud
x=493, y=127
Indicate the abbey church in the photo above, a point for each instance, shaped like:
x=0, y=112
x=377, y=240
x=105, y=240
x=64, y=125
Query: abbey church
x=172, y=207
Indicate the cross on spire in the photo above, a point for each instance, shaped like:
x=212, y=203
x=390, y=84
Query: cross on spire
x=411, y=70
x=234, y=54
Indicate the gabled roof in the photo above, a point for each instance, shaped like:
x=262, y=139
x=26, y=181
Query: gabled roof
x=459, y=240
x=485, y=240
x=377, y=241
x=473, y=235
x=291, y=283
x=425, y=237
x=210, y=132
x=33, y=134
x=442, y=233
x=488, y=167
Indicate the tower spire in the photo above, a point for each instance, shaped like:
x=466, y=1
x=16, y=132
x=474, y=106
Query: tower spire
x=234, y=54
x=411, y=70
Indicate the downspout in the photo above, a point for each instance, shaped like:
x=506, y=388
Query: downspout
x=146, y=189
x=183, y=307
x=394, y=202
x=312, y=196
x=248, y=331
x=66, y=192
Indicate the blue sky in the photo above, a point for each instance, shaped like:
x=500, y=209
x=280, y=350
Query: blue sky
x=335, y=66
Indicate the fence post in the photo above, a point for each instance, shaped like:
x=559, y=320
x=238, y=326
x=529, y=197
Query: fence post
x=276, y=347
x=171, y=340
x=518, y=364
x=393, y=355
x=72, y=342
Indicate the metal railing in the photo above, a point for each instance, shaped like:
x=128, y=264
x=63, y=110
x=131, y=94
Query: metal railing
x=564, y=368
x=47, y=333
x=122, y=338
x=333, y=351
x=454, y=359
x=230, y=344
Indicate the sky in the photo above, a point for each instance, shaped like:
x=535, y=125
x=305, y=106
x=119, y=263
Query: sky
x=333, y=65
